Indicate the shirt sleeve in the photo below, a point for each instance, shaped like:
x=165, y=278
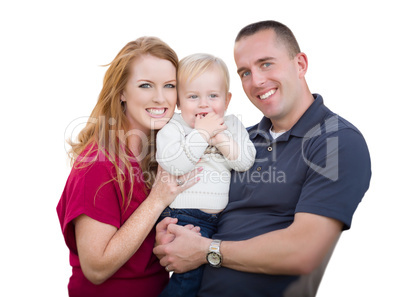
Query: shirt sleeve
x=176, y=151
x=338, y=175
x=247, y=151
x=91, y=191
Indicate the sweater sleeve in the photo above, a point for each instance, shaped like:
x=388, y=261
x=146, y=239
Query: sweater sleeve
x=176, y=151
x=247, y=151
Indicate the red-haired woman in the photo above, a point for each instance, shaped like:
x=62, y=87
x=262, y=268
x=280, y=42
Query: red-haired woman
x=115, y=191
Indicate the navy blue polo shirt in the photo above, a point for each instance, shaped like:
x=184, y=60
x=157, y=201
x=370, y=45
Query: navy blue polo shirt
x=320, y=166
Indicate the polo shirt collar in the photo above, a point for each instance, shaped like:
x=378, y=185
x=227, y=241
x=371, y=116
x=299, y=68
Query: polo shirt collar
x=262, y=128
x=313, y=115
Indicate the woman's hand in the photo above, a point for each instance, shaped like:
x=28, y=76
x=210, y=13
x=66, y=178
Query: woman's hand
x=163, y=236
x=167, y=186
x=103, y=248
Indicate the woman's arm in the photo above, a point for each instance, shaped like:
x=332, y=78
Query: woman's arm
x=103, y=248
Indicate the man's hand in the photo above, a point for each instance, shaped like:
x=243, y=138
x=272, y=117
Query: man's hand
x=186, y=251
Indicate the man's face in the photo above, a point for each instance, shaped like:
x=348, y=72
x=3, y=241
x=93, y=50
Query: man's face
x=270, y=77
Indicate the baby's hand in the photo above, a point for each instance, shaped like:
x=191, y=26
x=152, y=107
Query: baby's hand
x=219, y=140
x=209, y=125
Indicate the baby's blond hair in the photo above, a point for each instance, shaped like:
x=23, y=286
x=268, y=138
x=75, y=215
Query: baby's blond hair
x=194, y=65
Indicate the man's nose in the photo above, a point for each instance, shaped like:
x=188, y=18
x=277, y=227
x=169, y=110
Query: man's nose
x=258, y=78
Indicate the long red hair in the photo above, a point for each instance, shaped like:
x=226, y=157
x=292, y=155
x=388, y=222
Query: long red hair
x=107, y=119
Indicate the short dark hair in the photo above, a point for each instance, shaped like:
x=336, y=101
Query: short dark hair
x=282, y=32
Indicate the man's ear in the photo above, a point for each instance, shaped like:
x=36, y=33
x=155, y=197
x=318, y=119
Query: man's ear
x=228, y=98
x=302, y=63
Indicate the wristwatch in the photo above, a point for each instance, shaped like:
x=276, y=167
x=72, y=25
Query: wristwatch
x=214, y=256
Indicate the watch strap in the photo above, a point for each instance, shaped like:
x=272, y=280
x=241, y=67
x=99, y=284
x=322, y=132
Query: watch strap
x=215, y=246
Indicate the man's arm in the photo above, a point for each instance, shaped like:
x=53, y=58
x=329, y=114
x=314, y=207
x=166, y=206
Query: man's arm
x=298, y=249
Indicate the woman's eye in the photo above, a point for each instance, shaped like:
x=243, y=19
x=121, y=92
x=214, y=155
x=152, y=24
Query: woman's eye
x=145, y=86
x=170, y=86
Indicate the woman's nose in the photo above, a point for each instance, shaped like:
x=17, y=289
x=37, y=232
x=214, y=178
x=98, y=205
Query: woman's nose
x=159, y=96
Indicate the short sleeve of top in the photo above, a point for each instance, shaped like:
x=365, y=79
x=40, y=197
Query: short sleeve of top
x=338, y=171
x=320, y=166
x=90, y=190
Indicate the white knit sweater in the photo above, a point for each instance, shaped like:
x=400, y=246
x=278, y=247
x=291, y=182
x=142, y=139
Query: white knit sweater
x=180, y=149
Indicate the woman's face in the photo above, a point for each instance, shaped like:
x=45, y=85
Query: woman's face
x=150, y=94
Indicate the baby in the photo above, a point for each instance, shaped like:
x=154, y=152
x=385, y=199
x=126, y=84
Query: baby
x=202, y=136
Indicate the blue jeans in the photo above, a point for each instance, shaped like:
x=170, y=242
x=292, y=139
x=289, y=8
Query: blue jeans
x=187, y=284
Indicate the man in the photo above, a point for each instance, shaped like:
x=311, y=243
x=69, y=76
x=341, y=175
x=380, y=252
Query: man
x=287, y=212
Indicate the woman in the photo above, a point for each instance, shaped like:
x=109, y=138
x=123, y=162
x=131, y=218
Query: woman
x=108, y=210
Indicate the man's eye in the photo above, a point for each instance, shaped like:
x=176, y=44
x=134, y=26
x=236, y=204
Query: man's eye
x=145, y=86
x=265, y=65
x=171, y=86
x=246, y=73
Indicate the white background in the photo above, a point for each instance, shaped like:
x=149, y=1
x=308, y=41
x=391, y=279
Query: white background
x=50, y=75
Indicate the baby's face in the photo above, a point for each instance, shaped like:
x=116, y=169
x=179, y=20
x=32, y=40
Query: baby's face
x=204, y=94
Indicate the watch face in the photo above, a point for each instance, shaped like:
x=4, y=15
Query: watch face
x=214, y=259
